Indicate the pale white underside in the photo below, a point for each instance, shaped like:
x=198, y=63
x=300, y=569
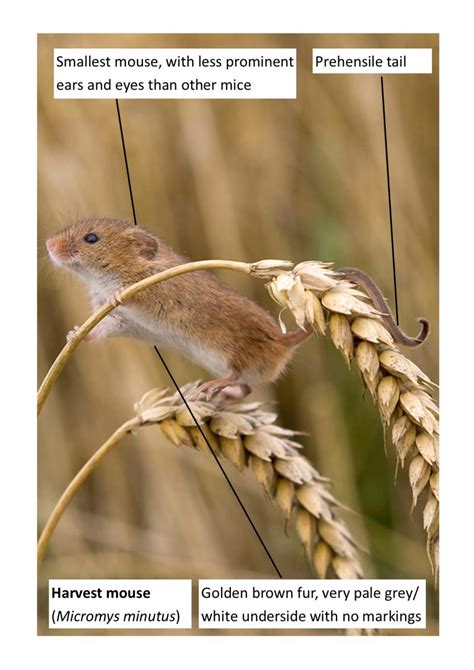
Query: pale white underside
x=135, y=323
x=132, y=322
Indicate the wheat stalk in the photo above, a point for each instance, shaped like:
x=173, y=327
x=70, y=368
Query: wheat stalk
x=248, y=437
x=317, y=296
x=77, y=482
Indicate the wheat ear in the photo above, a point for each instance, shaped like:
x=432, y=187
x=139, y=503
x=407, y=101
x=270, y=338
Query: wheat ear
x=316, y=295
x=248, y=437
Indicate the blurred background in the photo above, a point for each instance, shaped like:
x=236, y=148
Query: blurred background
x=297, y=179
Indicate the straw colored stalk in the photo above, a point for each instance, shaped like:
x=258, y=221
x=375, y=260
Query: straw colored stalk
x=320, y=298
x=248, y=437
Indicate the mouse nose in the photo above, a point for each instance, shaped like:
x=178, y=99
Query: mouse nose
x=58, y=250
x=53, y=246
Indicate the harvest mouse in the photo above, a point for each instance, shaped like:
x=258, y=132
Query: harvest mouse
x=205, y=319
x=209, y=322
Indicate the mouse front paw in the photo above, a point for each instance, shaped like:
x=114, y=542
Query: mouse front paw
x=72, y=334
x=115, y=299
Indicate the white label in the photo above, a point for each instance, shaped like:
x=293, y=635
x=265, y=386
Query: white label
x=120, y=603
x=175, y=73
x=312, y=603
x=372, y=61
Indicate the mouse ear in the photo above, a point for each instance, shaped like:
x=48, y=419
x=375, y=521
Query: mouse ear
x=146, y=242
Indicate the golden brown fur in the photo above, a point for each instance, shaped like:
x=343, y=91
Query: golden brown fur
x=200, y=315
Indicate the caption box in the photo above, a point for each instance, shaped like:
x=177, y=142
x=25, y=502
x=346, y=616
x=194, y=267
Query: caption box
x=175, y=73
x=120, y=603
x=372, y=61
x=311, y=603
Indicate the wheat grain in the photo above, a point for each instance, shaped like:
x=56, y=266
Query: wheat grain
x=248, y=437
x=317, y=296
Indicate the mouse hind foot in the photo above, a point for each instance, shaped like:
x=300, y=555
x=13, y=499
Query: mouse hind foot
x=236, y=391
x=229, y=387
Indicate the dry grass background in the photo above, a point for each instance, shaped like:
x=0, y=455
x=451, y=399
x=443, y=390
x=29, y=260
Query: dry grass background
x=244, y=180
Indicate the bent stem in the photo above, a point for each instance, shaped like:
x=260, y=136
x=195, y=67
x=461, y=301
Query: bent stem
x=128, y=293
x=77, y=482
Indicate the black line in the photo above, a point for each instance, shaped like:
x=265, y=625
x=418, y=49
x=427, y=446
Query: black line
x=219, y=464
x=165, y=365
x=389, y=203
x=126, y=162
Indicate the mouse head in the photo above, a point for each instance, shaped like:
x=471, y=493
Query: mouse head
x=95, y=247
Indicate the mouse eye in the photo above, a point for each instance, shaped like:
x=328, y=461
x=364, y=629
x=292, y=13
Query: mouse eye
x=91, y=238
